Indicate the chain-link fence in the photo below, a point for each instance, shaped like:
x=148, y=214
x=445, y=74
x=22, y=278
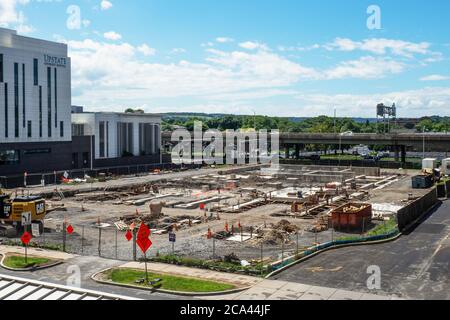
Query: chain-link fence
x=56, y=177
x=107, y=241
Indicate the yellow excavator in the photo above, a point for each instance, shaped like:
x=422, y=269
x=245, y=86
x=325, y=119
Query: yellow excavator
x=17, y=212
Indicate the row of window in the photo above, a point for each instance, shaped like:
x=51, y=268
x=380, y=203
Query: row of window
x=26, y=124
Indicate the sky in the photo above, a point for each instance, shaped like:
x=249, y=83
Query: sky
x=272, y=57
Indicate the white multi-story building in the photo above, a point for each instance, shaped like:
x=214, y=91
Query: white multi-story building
x=35, y=90
x=120, y=134
x=36, y=118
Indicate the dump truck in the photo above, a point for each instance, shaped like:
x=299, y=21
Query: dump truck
x=15, y=213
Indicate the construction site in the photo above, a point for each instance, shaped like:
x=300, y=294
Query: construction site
x=249, y=213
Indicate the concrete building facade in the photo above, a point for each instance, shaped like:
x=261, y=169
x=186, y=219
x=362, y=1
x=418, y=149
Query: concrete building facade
x=120, y=134
x=36, y=117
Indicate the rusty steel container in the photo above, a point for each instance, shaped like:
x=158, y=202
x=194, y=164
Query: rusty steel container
x=352, y=215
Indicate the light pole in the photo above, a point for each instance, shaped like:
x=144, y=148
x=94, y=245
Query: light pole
x=334, y=120
x=423, y=133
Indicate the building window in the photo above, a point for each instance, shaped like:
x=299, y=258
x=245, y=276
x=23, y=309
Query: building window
x=77, y=129
x=40, y=111
x=125, y=139
x=1, y=67
x=23, y=95
x=49, y=102
x=6, y=110
x=9, y=157
x=16, y=100
x=56, y=99
x=35, y=72
x=102, y=139
x=29, y=129
x=61, y=129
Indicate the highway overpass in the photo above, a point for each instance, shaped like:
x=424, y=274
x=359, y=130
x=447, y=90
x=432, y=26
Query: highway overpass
x=399, y=143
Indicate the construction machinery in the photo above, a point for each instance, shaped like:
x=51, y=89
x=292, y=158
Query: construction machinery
x=19, y=212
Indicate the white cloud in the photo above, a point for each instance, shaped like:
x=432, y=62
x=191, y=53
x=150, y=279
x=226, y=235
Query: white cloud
x=381, y=46
x=365, y=68
x=250, y=45
x=112, y=75
x=177, y=50
x=112, y=35
x=11, y=17
x=410, y=103
x=105, y=5
x=224, y=39
x=435, y=77
x=146, y=50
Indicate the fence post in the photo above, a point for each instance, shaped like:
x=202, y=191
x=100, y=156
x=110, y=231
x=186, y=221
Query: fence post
x=64, y=236
x=262, y=259
x=134, y=245
x=115, y=240
x=99, y=241
x=82, y=239
x=43, y=232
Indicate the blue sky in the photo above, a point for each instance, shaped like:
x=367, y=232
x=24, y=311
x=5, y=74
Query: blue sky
x=283, y=57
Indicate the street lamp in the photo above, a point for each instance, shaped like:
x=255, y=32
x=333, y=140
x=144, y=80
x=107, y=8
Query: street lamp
x=423, y=132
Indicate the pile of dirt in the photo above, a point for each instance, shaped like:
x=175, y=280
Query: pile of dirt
x=285, y=226
x=271, y=237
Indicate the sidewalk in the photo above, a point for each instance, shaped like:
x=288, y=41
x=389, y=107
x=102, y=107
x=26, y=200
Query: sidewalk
x=36, y=252
x=282, y=290
x=240, y=281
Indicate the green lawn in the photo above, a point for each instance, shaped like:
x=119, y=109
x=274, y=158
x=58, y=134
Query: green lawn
x=173, y=283
x=340, y=157
x=18, y=262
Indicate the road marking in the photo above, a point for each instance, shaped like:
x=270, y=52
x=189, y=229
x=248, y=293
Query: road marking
x=430, y=261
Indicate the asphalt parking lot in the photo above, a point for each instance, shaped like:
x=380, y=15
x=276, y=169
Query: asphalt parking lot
x=416, y=266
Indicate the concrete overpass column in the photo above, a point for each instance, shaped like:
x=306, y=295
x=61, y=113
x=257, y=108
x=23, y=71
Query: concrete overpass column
x=297, y=151
x=403, y=152
x=396, y=153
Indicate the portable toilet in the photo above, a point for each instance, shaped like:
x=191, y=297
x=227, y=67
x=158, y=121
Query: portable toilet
x=429, y=164
x=446, y=167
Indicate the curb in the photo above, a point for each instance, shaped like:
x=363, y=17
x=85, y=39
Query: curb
x=335, y=247
x=312, y=255
x=178, y=293
x=32, y=269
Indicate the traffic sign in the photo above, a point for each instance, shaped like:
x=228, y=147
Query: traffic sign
x=26, y=218
x=144, y=244
x=70, y=229
x=172, y=237
x=35, y=230
x=143, y=240
x=202, y=206
x=26, y=238
x=129, y=235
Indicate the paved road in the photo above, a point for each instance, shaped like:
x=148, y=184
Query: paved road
x=88, y=266
x=416, y=266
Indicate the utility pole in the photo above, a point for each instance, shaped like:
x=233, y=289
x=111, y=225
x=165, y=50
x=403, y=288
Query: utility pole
x=423, y=132
x=334, y=120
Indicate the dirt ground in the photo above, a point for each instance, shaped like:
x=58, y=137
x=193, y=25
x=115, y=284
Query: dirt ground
x=83, y=212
